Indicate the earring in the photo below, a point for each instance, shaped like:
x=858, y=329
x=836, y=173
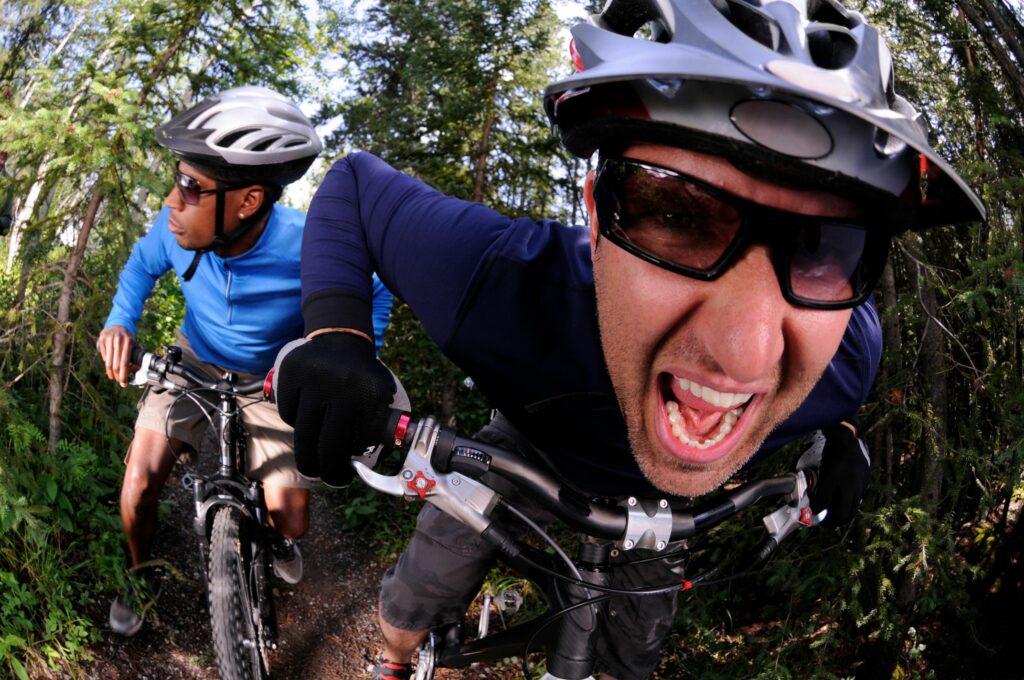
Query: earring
x=241, y=216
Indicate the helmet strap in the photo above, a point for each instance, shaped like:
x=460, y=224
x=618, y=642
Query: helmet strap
x=218, y=234
x=219, y=237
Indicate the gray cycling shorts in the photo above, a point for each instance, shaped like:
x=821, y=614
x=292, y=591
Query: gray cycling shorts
x=445, y=564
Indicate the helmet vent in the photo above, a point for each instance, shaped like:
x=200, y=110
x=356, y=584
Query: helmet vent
x=265, y=144
x=829, y=12
x=228, y=140
x=752, y=21
x=653, y=30
x=637, y=18
x=831, y=46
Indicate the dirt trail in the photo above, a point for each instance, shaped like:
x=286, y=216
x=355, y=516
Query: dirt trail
x=327, y=622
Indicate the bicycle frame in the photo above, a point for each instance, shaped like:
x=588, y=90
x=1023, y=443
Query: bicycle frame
x=566, y=638
x=227, y=486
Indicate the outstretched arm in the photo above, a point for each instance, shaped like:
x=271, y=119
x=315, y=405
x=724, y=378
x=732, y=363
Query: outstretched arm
x=145, y=265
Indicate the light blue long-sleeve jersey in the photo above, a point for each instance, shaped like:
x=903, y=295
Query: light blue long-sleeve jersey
x=239, y=311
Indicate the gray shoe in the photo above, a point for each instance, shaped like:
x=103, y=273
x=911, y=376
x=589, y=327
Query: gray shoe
x=126, y=616
x=287, y=561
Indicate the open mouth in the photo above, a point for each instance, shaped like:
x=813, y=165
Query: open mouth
x=700, y=417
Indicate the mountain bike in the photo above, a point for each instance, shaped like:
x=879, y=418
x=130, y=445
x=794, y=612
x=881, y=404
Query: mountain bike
x=230, y=516
x=445, y=470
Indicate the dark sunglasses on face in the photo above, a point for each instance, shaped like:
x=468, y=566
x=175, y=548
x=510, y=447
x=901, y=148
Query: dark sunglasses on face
x=687, y=226
x=189, y=188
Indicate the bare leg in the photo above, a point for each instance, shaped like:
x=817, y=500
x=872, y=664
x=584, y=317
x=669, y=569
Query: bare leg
x=289, y=509
x=149, y=464
x=400, y=645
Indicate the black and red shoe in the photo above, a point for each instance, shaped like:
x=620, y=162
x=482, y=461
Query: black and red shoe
x=391, y=670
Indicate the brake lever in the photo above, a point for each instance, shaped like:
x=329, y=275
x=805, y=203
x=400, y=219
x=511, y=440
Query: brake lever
x=389, y=484
x=141, y=377
x=461, y=497
x=797, y=512
x=148, y=374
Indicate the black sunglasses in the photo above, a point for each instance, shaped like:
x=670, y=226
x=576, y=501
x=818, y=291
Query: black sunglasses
x=189, y=188
x=687, y=226
x=191, y=191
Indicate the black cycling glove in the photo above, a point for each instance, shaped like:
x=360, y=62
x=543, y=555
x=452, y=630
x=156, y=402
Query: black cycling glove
x=336, y=395
x=844, y=471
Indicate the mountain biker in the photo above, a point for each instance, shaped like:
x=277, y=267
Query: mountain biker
x=754, y=161
x=236, y=251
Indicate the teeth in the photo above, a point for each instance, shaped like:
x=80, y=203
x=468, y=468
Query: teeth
x=713, y=397
x=675, y=419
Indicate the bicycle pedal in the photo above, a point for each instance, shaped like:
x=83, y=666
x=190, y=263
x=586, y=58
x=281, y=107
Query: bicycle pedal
x=509, y=601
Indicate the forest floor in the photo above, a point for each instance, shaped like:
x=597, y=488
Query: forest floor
x=327, y=622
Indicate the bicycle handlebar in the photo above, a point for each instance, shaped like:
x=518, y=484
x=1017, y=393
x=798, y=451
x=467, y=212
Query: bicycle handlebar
x=154, y=368
x=444, y=469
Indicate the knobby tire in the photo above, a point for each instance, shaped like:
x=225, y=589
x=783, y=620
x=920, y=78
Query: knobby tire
x=236, y=635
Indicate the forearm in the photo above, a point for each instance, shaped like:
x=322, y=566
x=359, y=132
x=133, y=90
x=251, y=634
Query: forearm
x=146, y=264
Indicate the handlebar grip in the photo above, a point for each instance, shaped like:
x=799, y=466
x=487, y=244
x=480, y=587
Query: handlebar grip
x=137, y=355
x=766, y=550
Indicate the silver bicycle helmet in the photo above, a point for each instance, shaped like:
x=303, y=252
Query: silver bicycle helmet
x=240, y=137
x=245, y=133
x=801, y=89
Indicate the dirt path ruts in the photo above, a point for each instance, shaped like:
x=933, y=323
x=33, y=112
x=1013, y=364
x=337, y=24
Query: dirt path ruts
x=327, y=622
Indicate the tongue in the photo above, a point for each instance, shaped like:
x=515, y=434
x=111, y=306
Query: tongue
x=700, y=423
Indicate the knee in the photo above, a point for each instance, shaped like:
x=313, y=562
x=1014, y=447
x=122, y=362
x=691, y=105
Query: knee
x=289, y=523
x=141, y=486
x=289, y=510
x=145, y=474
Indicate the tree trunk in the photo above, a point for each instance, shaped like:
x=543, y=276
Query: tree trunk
x=484, y=149
x=1011, y=69
x=933, y=363
x=1006, y=24
x=883, y=655
x=883, y=448
x=60, y=335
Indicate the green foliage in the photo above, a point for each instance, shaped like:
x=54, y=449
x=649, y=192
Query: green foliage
x=59, y=536
x=434, y=385
x=386, y=521
x=82, y=86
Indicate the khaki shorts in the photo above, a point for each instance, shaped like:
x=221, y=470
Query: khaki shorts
x=270, y=450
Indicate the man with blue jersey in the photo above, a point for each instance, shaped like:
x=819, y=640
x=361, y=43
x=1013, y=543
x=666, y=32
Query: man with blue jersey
x=754, y=162
x=236, y=252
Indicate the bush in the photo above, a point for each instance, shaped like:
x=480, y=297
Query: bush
x=59, y=543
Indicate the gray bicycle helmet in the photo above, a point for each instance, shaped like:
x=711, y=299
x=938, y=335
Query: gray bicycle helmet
x=240, y=137
x=800, y=89
x=245, y=133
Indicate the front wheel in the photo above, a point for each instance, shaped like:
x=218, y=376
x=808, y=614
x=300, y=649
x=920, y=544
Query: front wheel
x=233, y=616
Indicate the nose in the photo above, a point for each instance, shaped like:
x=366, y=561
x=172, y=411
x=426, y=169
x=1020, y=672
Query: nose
x=743, y=318
x=173, y=200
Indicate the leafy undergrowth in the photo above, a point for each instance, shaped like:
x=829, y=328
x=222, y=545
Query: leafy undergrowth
x=59, y=545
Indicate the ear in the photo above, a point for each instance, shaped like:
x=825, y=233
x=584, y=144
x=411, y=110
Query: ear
x=253, y=199
x=588, y=201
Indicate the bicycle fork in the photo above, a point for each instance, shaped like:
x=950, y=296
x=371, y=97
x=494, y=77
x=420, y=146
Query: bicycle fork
x=570, y=653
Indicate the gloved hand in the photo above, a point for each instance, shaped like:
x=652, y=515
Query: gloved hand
x=844, y=470
x=335, y=394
